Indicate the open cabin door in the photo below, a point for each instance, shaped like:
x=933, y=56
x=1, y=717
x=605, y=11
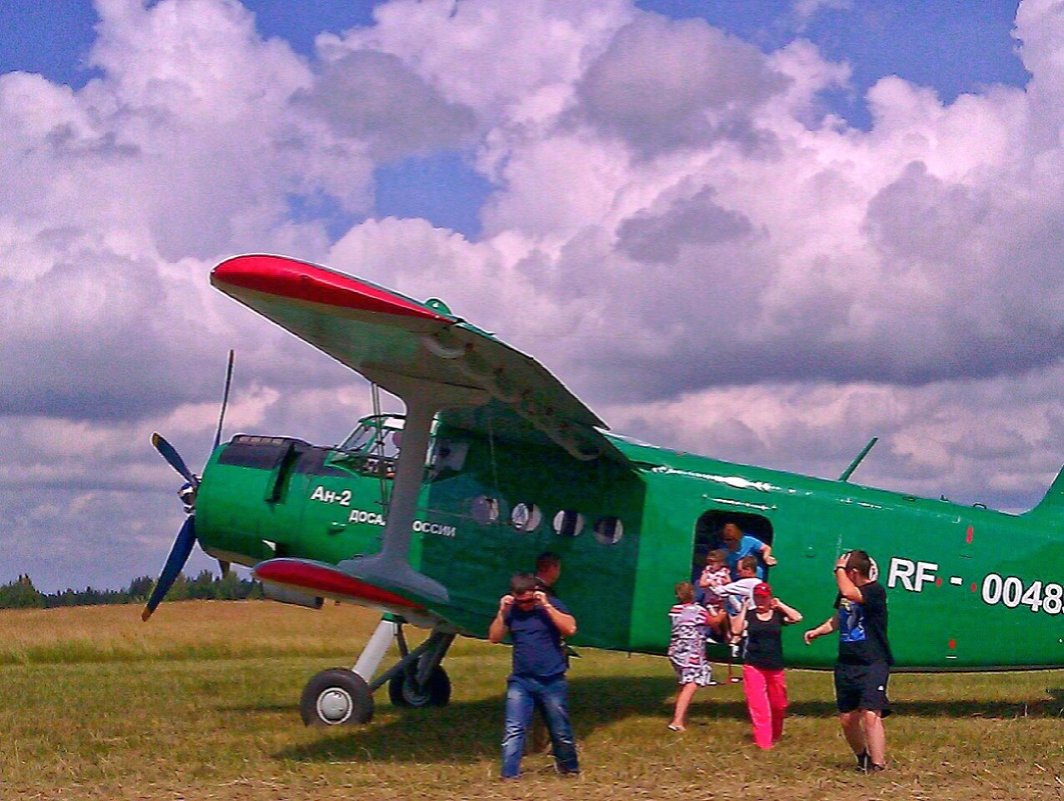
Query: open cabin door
x=707, y=534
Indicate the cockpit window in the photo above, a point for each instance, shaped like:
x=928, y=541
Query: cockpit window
x=357, y=441
x=373, y=447
x=377, y=436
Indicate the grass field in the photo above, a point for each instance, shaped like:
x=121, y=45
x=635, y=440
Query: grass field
x=201, y=703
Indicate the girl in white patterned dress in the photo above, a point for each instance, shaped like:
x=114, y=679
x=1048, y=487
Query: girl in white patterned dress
x=687, y=650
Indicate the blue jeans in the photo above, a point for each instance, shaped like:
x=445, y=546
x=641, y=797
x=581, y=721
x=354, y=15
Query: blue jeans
x=522, y=695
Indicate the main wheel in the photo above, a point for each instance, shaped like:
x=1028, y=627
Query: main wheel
x=404, y=691
x=336, y=697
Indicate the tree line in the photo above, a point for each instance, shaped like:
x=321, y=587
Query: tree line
x=21, y=594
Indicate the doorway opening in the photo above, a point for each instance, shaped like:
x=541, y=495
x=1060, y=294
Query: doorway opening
x=708, y=534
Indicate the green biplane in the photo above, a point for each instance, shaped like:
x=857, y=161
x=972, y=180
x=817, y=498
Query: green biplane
x=425, y=516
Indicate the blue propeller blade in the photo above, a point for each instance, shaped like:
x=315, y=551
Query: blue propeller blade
x=186, y=538
x=173, y=458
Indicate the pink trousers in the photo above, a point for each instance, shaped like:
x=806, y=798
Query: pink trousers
x=766, y=698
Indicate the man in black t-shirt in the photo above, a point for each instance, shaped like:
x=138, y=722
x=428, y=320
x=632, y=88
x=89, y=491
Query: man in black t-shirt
x=548, y=571
x=863, y=666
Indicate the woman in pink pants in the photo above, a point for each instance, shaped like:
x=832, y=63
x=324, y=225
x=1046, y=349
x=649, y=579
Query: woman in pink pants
x=763, y=680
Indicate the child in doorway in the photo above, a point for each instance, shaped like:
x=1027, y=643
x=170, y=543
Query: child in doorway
x=738, y=593
x=714, y=576
x=742, y=589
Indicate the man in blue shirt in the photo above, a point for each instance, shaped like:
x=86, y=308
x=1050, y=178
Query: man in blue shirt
x=537, y=623
x=737, y=545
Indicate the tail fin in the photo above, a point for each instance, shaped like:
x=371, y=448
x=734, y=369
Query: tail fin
x=1053, y=502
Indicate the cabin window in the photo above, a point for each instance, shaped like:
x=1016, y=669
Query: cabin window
x=568, y=523
x=609, y=530
x=448, y=454
x=526, y=517
x=485, y=509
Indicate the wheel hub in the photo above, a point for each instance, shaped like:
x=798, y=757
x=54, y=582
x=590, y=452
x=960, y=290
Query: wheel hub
x=415, y=694
x=335, y=705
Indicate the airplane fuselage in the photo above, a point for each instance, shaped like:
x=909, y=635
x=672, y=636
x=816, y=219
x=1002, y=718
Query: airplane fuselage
x=968, y=587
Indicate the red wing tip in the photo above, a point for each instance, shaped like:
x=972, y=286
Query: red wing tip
x=297, y=280
x=315, y=577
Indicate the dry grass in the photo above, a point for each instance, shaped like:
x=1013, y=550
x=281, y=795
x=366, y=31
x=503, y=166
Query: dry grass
x=201, y=704
x=184, y=631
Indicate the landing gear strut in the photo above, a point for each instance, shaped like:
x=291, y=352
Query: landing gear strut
x=342, y=697
x=420, y=680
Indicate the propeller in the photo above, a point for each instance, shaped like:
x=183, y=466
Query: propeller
x=186, y=535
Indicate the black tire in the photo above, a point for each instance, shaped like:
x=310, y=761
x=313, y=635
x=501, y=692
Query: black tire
x=436, y=692
x=336, y=697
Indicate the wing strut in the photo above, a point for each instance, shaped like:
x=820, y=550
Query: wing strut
x=390, y=568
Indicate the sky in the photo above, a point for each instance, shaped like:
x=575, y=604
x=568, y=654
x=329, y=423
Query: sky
x=765, y=232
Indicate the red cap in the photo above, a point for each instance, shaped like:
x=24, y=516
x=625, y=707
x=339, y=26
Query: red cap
x=763, y=589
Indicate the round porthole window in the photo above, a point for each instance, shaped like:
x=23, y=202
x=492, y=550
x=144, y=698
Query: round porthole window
x=568, y=523
x=609, y=530
x=526, y=517
x=485, y=509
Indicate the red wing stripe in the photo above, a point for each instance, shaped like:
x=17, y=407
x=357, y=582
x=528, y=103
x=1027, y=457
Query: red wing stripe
x=321, y=578
x=298, y=280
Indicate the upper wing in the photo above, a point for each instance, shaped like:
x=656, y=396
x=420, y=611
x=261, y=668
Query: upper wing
x=382, y=335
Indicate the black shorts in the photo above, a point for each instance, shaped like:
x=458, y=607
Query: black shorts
x=862, y=687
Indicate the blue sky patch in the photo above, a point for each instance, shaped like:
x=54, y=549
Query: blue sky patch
x=442, y=188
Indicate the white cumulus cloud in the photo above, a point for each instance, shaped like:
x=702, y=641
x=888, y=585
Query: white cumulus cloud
x=679, y=227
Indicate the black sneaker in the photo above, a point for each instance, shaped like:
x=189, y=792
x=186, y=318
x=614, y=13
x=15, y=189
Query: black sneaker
x=864, y=762
x=874, y=768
